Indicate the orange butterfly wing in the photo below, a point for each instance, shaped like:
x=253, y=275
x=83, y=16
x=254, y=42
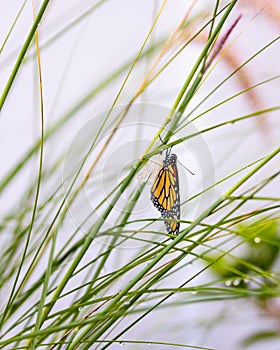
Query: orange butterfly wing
x=165, y=193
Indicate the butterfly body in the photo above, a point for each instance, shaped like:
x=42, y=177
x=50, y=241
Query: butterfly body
x=165, y=193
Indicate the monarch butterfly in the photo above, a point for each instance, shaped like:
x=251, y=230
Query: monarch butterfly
x=165, y=193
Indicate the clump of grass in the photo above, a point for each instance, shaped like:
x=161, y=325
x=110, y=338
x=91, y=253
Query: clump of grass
x=67, y=276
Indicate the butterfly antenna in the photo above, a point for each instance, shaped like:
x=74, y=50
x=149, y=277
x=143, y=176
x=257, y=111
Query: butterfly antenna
x=185, y=167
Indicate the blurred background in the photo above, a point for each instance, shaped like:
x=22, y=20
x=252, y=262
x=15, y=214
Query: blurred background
x=85, y=44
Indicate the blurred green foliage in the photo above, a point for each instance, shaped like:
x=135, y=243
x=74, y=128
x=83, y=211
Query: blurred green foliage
x=259, y=252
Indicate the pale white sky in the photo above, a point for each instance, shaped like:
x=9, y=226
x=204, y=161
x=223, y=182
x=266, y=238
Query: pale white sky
x=99, y=44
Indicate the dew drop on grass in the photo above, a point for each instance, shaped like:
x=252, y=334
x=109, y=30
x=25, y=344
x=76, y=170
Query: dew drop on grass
x=236, y=282
x=194, y=292
x=257, y=240
x=228, y=283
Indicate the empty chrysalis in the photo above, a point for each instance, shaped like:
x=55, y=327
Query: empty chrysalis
x=151, y=169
